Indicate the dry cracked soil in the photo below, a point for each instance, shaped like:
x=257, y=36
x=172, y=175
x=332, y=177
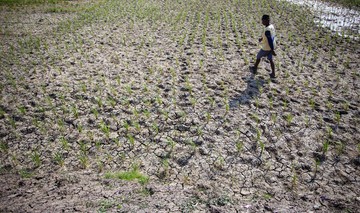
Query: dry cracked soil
x=94, y=90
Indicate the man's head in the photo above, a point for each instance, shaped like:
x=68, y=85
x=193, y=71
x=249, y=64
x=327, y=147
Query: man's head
x=265, y=20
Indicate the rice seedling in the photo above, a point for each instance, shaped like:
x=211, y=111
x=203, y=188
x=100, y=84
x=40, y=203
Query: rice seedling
x=239, y=146
x=4, y=147
x=104, y=128
x=199, y=131
x=329, y=105
x=155, y=128
x=337, y=117
x=166, y=168
x=171, y=143
x=329, y=132
x=61, y=125
x=64, y=143
x=227, y=107
x=128, y=89
x=24, y=173
x=212, y=101
x=262, y=147
x=294, y=178
x=192, y=144
x=307, y=121
x=346, y=106
x=146, y=113
x=111, y=101
x=289, y=117
x=339, y=147
x=325, y=147
x=257, y=102
x=207, y=117
x=83, y=87
x=255, y=117
x=285, y=104
x=219, y=162
x=306, y=84
x=35, y=157
x=126, y=125
x=159, y=100
x=138, y=127
x=83, y=160
x=131, y=140
x=99, y=102
x=95, y=112
x=258, y=134
x=83, y=147
x=273, y=118
x=59, y=159
x=12, y=122
x=22, y=110
x=79, y=127
x=98, y=144
x=118, y=80
x=75, y=111
x=312, y=103
x=261, y=90
x=193, y=101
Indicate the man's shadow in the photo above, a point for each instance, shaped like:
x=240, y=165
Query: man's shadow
x=251, y=91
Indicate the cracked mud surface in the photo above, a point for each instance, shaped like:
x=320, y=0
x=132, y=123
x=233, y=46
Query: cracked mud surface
x=165, y=87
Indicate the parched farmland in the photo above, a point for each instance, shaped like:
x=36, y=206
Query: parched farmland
x=149, y=106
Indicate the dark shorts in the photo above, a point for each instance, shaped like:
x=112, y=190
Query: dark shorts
x=263, y=53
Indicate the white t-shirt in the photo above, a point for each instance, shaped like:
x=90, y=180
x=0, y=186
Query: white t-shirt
x=265, y=44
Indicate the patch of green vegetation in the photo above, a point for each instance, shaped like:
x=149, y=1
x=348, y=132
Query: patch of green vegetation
x=24, y=173
x=129, y=176
x=35, y=157
x=4, y=147
x=58, y=158
x=267, y=196
x=105, y=205
x=27, y=2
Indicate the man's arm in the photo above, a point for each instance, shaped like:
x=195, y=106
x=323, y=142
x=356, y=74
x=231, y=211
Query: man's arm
x=271, y=43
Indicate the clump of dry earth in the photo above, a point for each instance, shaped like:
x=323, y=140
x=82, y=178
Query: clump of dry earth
x=165, y=87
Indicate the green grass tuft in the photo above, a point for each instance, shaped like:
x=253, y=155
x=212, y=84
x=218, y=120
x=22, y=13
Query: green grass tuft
x=134, y=174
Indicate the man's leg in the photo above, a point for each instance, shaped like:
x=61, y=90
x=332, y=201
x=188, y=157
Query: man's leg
x=257, y=63
x=258, y=58
x=272, y=75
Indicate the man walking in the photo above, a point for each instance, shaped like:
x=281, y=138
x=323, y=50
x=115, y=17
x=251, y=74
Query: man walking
x=268, y=44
